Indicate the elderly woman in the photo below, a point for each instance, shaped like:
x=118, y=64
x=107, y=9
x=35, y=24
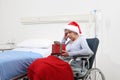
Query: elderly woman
x=77, y=44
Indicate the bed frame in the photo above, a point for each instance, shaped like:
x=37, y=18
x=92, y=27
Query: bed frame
x=22, y=76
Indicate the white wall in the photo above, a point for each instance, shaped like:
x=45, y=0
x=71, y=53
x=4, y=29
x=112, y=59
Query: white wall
x=108, y=54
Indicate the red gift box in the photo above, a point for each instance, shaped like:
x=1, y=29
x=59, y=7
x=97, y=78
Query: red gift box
x=57, y=48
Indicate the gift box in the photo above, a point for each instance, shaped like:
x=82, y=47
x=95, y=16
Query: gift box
x=57, y=48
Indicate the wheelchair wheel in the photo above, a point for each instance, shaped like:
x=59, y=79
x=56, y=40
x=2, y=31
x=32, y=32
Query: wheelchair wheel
x=94, y=74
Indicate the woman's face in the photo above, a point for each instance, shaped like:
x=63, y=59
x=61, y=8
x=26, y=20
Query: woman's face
x=70, y=34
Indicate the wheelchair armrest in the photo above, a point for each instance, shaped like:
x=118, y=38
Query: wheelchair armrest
x=79, y=57
x=83, y=58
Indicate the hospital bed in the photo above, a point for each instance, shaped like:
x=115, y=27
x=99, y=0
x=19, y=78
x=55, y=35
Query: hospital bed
x=14, y=63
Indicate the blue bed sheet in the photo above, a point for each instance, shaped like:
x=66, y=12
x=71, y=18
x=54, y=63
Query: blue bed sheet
x=13, y=63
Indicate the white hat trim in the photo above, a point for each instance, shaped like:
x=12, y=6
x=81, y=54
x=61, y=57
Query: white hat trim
x=72, y=28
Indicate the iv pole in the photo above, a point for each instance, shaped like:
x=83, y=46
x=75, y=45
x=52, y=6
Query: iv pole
x=95, y=29
x=97, y=17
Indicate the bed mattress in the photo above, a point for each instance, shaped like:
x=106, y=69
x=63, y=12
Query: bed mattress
x=13, y=63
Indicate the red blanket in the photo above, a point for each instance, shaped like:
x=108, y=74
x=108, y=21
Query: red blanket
x=50, y=68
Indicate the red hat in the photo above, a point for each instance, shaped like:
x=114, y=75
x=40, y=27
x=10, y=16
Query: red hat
x=73, y=26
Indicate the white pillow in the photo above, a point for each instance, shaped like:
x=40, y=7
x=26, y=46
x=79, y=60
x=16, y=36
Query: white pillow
x=35, y=43
x=43, y=52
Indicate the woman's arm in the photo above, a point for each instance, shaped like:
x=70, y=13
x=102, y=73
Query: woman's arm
x=84, y=51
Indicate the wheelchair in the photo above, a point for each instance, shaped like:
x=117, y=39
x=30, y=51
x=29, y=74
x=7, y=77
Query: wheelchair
x=87, y=72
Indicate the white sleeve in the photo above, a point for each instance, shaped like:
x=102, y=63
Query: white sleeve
x=85, y=49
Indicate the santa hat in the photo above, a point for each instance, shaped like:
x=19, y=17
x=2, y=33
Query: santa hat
x=73, y=26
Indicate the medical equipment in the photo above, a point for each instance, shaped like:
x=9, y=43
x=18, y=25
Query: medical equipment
x=87, y=72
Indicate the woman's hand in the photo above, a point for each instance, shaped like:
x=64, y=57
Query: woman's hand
x=64, y=53
x=66, y=34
